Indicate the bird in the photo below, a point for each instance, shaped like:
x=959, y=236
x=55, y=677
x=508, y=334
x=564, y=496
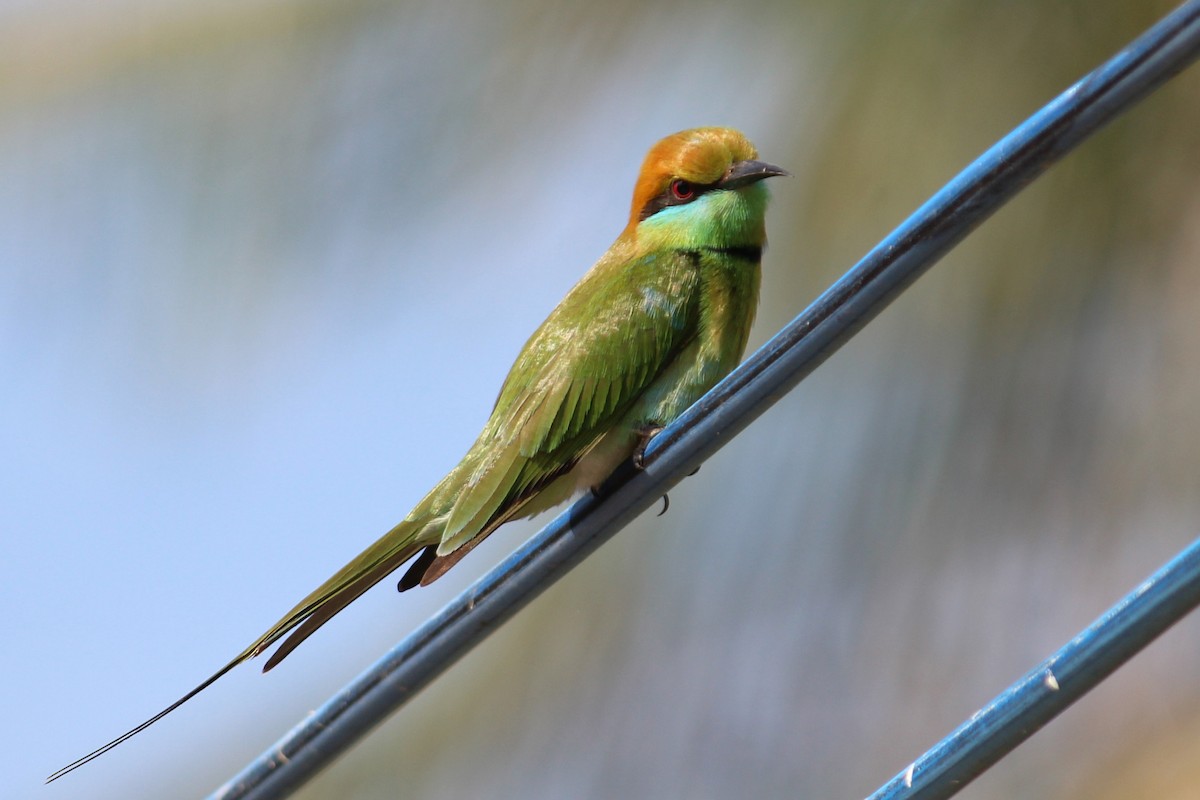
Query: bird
x=655, y=323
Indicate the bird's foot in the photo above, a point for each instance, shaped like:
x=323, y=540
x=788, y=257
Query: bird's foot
x=645, y=433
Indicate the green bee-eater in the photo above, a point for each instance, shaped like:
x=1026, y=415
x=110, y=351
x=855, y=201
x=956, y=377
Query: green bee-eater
x=660, y=318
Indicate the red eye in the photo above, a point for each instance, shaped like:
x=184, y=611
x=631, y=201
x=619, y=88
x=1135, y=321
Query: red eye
x=682, y=190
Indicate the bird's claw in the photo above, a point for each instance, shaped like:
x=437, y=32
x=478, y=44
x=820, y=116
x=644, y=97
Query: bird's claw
x=666, y=504
x=645, y=433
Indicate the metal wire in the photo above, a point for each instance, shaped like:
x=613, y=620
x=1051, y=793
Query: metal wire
x=1043, y=693
x=765, y=377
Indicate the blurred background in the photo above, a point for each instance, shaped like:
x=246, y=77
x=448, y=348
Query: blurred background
x=264, y=264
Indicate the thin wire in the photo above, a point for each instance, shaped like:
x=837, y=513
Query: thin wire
x=1047, y=690
x=757, y=384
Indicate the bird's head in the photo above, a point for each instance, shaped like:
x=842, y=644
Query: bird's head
x=701, y=184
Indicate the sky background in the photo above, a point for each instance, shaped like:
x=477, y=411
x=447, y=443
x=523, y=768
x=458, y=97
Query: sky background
x=264, y=265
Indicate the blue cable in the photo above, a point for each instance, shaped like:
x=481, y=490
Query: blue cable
x=976, y=193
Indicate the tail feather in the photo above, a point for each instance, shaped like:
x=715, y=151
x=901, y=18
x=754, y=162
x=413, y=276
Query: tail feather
x=365, y=570
x=477, y=513
x=79, y=762
x=335, y=602
x=370, y=567
x=415, y=574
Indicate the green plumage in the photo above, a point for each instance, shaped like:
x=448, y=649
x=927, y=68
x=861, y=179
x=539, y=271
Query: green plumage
x=660, y=330
x=659, y=319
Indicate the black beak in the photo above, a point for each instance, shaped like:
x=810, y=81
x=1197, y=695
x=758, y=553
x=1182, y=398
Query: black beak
x=744, y=173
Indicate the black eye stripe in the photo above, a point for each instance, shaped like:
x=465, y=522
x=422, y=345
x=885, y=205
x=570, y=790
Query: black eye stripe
x=666, y=198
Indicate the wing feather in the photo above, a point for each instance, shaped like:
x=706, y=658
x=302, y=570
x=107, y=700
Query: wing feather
x=482, y=498
x=574, y=380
